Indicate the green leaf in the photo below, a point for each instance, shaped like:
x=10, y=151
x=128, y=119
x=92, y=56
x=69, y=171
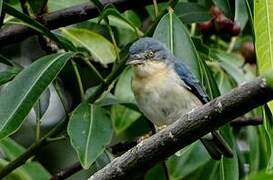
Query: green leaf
x=263, y=24
x=97, y=45
x=11, y=149
x=5, y=60
x=8, y=75
x=29, y=171
x=37, y=5
x=189, y=160
x=113, y=12
x=171, y=31
x=261, y=175
x=241, y=14
x=54, y=5
x=26, y=20
x=192, y=12
x=90, y=130
x=123, y=116
x=17, y=99
x=224, y=5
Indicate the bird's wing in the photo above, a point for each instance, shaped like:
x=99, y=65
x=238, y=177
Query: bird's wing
x=191, y=81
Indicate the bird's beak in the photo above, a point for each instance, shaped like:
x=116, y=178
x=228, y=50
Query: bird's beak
x=135, y=59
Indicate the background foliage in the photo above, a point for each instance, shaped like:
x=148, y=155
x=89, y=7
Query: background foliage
x=69, y=88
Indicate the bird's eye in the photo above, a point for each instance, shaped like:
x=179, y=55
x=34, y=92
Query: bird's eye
x=150, y=54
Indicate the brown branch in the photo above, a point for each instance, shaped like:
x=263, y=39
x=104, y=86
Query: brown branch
x=187, y=129
x=246, y=121
x=65, y=173
x=66, y=17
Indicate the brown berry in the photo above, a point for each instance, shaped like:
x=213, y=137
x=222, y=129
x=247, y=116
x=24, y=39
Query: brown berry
x=236, y=29
x=205, y=27
x=215, y=11
x=247, y=50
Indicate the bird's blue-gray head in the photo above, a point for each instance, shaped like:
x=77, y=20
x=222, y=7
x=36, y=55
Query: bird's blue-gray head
x=148, y=49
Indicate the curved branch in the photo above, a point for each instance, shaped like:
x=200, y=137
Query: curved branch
x=65, y=17
x=187, y=129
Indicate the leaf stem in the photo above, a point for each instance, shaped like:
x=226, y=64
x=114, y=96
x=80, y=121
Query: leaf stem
x=170, y=10
x=94, y=69
x=155, y=8
x=79, y=80
x=38, y=122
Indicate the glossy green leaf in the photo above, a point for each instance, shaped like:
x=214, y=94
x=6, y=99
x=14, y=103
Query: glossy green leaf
x=123, y=116
x=97, y=45
x=17, y=99
x=189, y=160
x=263, y=25
x=90, y=130
x=241, y=14
x=172, y=32
x=157, y=172
x=113, y=12
x=262, y=175
x=192, y=12
x=10, y=148
x=8, y=75
x=26, y=20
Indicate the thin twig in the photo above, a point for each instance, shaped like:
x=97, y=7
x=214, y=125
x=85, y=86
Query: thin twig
x=79, y=80
x=65, y=17
x=246, y=121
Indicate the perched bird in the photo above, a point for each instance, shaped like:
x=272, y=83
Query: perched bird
x=164, y=89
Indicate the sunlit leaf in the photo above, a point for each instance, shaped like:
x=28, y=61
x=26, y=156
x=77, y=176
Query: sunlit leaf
x=99, y=47
x=241, y=14
x=263, y=25
x=90, y=130
x=17, y=99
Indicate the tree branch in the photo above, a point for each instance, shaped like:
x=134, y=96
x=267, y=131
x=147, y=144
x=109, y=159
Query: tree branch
x=65, y=17
x=246, y=121
x=187, y=129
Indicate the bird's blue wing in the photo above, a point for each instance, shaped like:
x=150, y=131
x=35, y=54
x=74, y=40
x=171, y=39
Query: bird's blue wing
x=191, y=81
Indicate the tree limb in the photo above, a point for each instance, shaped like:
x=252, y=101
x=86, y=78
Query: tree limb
x=187, y=129
x=65, y=17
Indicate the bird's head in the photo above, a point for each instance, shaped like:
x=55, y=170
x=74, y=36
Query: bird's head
x=147, y=56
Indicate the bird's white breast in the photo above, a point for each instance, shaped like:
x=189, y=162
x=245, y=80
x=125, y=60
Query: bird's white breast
x=161, y=95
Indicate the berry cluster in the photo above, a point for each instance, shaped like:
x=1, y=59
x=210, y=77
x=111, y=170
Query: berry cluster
x=219, y=25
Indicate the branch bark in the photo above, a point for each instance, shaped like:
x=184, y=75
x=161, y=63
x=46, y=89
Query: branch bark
x=187, y=129
x=65, y=17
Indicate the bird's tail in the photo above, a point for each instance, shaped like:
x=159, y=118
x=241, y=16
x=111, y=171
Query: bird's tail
x=216, y=145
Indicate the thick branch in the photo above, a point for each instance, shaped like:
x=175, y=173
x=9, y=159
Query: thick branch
x=69, y=16
x=187, y=129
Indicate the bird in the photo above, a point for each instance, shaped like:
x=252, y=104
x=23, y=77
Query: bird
x=165, y=88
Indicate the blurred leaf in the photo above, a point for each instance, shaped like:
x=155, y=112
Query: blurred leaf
x=1, y=4
x=224, y=5
x=90, y=130
x=268, y=124
x=123, y=116
x=97, y=45
x=29, y=171
x=262, y=175
x=8, y=75
x=32, y=81
x=54, y=5
x=172, y=32
x=42, y=104
x=133, y=17
x=192, y=12
x=189, y=160
x=5, y=60
x=11, y=149
x=254, y=148
x=263, y=24
x=157, y=172
x=241, y=14
x=26, y=20
x=37, y=5
x=231, y=63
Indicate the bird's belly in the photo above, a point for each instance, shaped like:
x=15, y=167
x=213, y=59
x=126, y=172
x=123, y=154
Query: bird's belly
x=162, y=103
